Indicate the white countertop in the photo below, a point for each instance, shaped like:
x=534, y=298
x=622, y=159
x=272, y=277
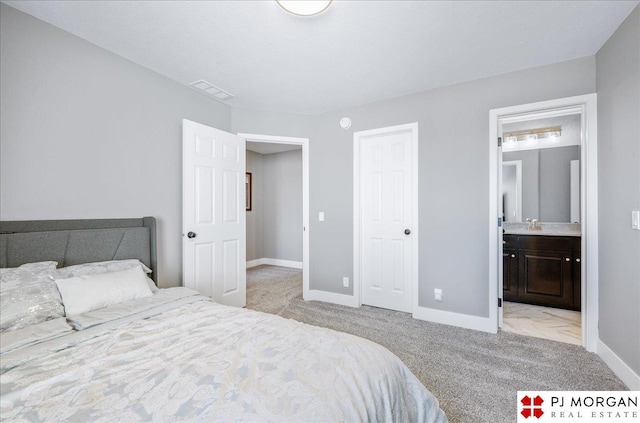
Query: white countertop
x=549, y=229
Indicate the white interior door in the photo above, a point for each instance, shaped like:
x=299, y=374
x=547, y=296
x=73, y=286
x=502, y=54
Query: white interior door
x=213, y=213
x=386, y=218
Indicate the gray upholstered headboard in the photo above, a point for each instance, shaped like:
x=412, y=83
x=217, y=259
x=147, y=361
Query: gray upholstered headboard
x=72, y=242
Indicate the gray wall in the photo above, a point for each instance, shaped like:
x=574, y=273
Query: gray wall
x=262, y=122
x=87, y=134
x=274, y=225
x=255, y=219
x=283, y=205
x=453, y=179
x=546, y=182
x=618, y=83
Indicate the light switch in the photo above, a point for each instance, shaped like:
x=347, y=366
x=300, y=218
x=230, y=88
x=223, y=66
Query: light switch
x=321, y=217
x=437, y=294
x=635, y=220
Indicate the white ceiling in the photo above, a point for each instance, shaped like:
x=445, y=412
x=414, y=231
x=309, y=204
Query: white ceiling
x=355, y=53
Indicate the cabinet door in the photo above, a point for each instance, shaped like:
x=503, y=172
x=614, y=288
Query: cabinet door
x=510, y=274
x=546, y=278
x=577, y=275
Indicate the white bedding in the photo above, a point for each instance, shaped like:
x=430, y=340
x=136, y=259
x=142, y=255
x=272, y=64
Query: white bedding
x=180, y=356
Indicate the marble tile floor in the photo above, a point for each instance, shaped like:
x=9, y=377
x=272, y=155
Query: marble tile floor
x=543, y=322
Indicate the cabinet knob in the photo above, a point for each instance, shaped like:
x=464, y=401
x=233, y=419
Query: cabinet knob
x=513, y=256
x=577, y=260
x=567, y=259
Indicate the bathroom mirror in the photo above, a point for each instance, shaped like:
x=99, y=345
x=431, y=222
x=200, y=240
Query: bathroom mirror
x=541, y=169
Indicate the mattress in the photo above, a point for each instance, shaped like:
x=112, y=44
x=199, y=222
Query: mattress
x=177, y=355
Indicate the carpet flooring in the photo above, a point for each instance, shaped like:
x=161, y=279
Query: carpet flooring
x=474, y=375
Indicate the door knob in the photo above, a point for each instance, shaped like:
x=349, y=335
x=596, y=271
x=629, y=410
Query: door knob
x=577, y=260
x=513, y=256
x=191, y=235
x=407, y=231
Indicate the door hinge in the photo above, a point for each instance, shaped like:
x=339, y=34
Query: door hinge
x=499, y=302
x=499, y=222
x=499, y=141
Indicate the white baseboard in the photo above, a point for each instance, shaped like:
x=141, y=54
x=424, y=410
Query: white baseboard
x=466, y=321
x=331, y=297
x=422, y=313
x=254, y=263
x=274, y=262
x=619, y=367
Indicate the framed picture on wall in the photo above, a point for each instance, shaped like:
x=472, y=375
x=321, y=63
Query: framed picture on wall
x=248, y=190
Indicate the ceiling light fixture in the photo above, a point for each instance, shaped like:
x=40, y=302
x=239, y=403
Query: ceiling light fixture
x=304, y=7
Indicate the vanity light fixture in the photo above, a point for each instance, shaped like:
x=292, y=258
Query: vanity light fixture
x=533, y=134
x=304, y=7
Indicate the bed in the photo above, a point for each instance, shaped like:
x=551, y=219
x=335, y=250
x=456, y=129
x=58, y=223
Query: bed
x=122, y=350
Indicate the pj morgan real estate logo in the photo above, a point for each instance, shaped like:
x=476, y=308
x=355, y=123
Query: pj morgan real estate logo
x=578, y=406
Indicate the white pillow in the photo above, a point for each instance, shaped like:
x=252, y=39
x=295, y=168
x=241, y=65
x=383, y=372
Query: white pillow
x=105, y=267
x=81, y=294
x=101, y=267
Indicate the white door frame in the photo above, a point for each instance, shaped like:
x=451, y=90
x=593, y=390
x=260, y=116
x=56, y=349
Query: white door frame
x=357, y=198
x=587, y=106
x=304, y=142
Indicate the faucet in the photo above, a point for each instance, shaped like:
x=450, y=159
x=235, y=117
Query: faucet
x=533, y=224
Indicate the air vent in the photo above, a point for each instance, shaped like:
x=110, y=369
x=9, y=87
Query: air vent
x=211, y=90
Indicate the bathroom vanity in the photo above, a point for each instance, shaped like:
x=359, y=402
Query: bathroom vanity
x=542, y=267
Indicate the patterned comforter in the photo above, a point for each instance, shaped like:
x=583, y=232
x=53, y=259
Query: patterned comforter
x=185, y=357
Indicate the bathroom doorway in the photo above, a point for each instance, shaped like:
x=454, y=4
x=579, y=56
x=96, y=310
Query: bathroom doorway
x=544, y=241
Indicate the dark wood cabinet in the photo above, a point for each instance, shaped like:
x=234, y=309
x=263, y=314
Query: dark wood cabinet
x=542, y=270
x=510, y=274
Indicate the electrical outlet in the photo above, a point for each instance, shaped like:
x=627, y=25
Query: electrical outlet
x=437, y=294
x=345, y=282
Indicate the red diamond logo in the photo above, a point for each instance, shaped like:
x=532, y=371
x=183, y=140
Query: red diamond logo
x=532, y=407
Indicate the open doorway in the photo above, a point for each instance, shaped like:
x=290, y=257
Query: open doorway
x=544, y=242
x=277, y=219
x=541, y=234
